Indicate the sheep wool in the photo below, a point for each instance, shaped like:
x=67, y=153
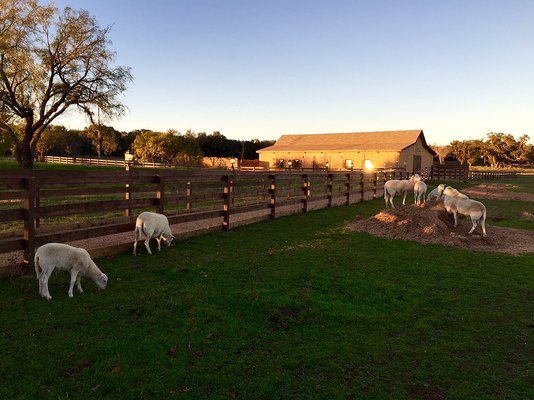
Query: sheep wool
x=63, y=257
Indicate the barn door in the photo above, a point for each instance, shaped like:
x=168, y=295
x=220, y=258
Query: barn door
x=416, y=163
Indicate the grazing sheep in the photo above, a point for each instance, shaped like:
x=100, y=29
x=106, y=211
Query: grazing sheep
x=152, y=225
x=61, y=256
x=435, y=194
x=395, y=186
x=460, y=204
x=419, y=191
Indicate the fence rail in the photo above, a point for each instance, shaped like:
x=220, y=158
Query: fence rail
x=62, y=206
x=463, y=173
x=38, y=207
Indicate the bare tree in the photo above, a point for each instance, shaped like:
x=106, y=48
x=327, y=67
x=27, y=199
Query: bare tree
x=51, y=61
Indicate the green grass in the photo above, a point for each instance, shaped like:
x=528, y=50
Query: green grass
x=293, y=308
x=10, y=164
x=511, y=214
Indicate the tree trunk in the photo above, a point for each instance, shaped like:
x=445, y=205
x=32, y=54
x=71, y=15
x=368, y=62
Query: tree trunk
x=26, y=155
x=26, y=158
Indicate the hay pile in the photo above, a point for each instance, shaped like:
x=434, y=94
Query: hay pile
x=432, y=224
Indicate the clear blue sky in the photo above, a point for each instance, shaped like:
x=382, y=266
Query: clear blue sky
x=263, y=68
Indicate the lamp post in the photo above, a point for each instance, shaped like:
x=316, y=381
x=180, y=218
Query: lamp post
x=232, y=162
x=327, y=166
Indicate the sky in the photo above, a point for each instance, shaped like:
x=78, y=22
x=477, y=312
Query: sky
x=258, y=69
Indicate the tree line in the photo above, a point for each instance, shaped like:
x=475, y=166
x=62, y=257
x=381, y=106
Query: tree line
x=172, y=147
x=497, y=151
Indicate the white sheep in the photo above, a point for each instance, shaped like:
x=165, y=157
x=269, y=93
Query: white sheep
x=63, y=257
x=450, y=191
x=395, y=186
x=152, y=225
x=419, y=191
x=459, y=203
x=435, y=194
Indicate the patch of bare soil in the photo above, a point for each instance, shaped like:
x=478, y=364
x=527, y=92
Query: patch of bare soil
x=432, y=224
x=498, y=192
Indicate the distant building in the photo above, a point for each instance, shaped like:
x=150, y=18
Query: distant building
x=346, y=151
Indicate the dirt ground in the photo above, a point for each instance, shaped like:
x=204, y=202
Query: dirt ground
x=498, y=192
x=430, y=223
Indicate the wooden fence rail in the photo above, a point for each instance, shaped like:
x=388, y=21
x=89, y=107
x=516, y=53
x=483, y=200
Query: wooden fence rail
x=62, y=206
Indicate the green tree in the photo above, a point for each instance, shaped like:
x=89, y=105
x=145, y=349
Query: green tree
x=475, y=149
x=441, y=151
x=460, y=150
x=51, y=61
x=105, y=139
x=146, y=145
x=53, y=136
x=498, y=149
x=523, y=152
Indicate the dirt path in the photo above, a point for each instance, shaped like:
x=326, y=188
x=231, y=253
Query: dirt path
x=498, y=192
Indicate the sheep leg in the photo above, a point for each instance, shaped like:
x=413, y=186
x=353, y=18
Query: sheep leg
x=404, y=198
x=391, y=199
x=43, y=281
x=483, y=225
x=137, y=237
x=474, y=222
x=147, y=245
x=73, y=278
x=455, y=218
x=159, y=242
x=40, y=286
x=79, y=283
x=387, y=196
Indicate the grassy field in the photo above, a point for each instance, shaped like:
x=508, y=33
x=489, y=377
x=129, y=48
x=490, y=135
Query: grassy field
x=295, y=308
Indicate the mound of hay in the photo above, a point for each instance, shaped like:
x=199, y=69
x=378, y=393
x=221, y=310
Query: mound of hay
x=432, y=224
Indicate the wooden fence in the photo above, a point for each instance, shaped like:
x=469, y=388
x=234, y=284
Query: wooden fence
x=463, y=173
x=64, y=206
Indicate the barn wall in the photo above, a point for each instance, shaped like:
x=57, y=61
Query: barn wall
x=417, y=148
x=336, y=159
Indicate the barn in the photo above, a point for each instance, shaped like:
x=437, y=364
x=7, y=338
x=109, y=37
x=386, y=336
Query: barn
x=354, y=150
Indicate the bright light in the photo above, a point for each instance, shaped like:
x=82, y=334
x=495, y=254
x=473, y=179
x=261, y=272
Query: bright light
x=368, y=164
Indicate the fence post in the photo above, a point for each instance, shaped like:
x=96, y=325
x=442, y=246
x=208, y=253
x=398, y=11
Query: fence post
x=37, y=205
x=29, y=221
x=188, y=189
x=227, y=195
x=375, y=179
x=160, y=194
x=272, y=191
x=128, y=192
x=329, y=186
x=362, y=186
x=347, y=189
x=305, y=192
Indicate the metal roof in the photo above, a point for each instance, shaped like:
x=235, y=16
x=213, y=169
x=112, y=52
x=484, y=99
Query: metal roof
x=352, y=141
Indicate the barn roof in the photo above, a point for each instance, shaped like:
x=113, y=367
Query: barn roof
x=369, y=141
